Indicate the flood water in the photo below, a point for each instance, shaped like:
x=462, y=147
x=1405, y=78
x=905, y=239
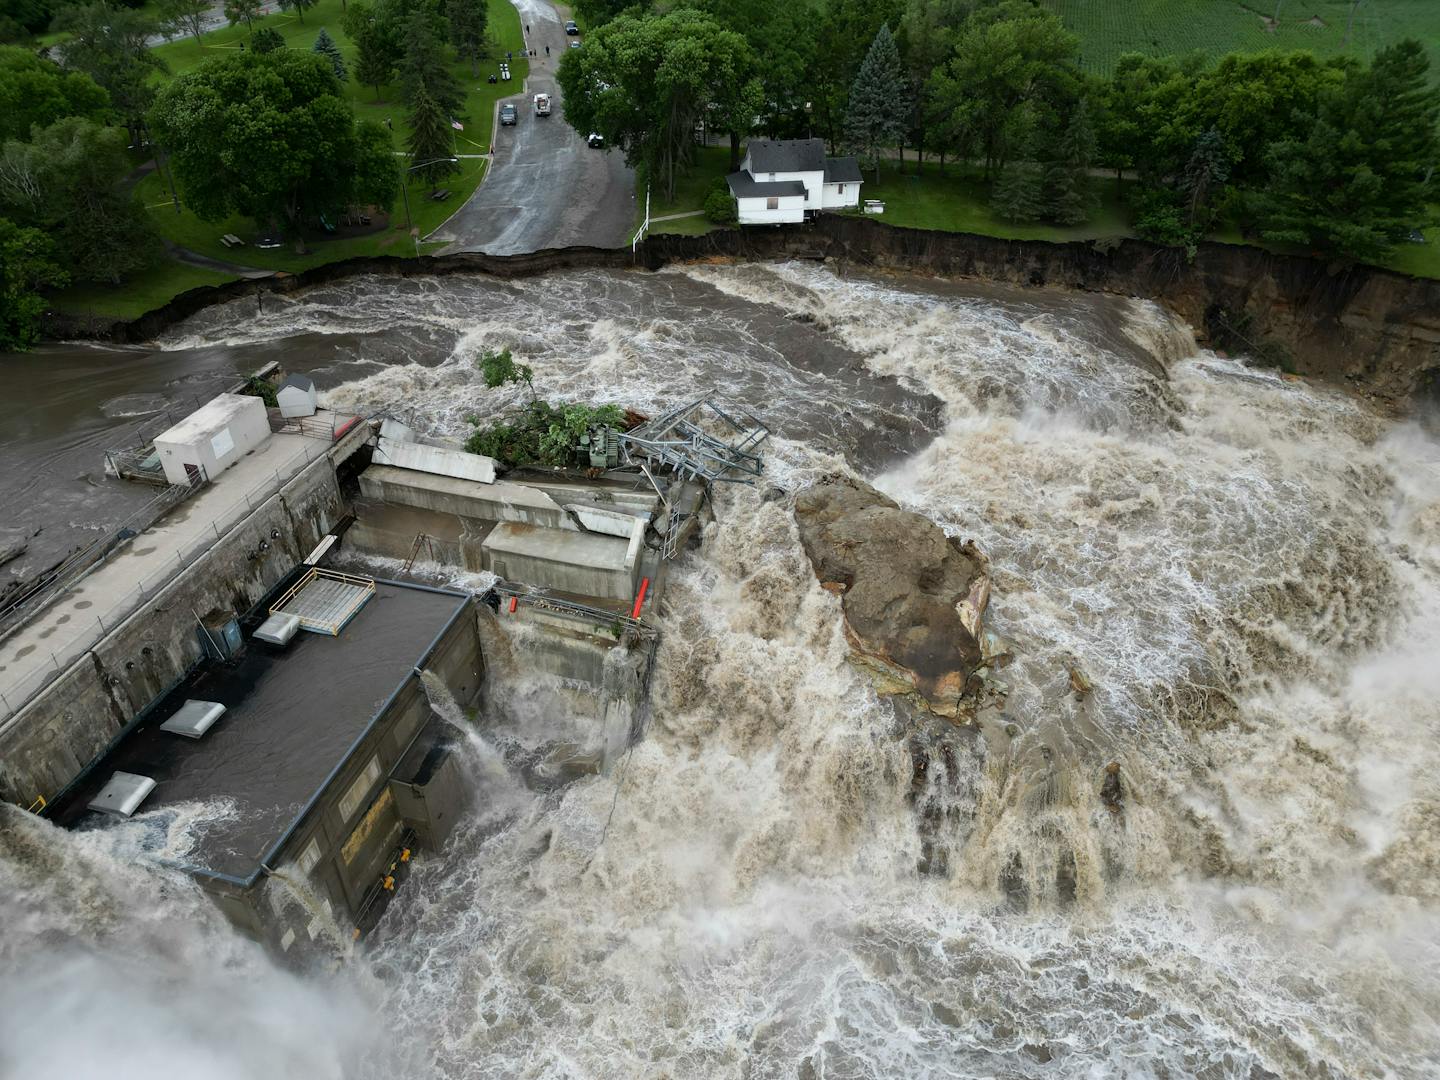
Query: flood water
x=1247, y=569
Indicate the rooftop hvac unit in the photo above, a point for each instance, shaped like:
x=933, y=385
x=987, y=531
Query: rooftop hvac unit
x=279, y=628
x=123, y=795
x=194, y=718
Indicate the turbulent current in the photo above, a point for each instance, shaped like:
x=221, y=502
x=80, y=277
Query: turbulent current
x=1246, y=568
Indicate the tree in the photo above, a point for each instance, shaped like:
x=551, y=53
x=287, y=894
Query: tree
x=377, y=53
x=1007, y=56
x=842, y=36
x=644, y=81
x=297, y=6
x=270, y=136
x=37, y=92
x=874, y=119
x=66, y=181
x=926, y=38
x=432, y=140
x=1361, y=175
x=499, y=369
x=27, y=265
x=326, y=47
x=266, y=40
x=424, y=70
x=246, y=11
x=184, y=16
x=466, y=20
x=1205, y=173
x=1069, y=198
x=112, y=46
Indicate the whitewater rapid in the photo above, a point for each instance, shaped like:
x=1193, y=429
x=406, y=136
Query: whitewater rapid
x=1246, y=567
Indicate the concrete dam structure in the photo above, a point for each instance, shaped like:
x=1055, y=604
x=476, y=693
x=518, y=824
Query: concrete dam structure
x=325, y=706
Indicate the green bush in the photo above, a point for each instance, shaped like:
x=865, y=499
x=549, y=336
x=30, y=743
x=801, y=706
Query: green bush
x=543, y=434
x=720, y=205
x=261, y=388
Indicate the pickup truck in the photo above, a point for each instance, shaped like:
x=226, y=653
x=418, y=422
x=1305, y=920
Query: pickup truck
x=542, y=104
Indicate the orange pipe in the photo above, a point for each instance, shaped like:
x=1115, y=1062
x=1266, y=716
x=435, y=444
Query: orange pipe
x=640, y=598
x=513, y=600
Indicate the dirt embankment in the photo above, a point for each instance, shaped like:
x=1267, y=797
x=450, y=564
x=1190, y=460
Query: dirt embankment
x=1376, y=330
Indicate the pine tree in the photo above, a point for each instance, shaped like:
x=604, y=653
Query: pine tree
x=326, y=47
x=876, y=116
x=424, y=68
x=374, y=63
x=1019, y=193
x=466, y=20
x=432, y=140
x=1206, y=171
x=1069, y=195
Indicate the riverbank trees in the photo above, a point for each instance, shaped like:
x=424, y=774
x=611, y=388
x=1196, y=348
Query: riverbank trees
x=270, y=137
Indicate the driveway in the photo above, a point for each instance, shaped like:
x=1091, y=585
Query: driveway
x=545, y=188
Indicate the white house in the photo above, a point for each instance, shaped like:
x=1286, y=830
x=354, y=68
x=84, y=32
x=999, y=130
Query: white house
x=791, y=179
x=296, y=396
x=213, y=437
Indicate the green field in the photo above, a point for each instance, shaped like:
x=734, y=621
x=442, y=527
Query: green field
x=1110, y=28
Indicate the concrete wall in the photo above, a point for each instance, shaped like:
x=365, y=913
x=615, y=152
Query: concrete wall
x=70, y=723
x=350, y=851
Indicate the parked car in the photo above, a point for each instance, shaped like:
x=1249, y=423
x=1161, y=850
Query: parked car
x=571, y=28
x=574, y=44
x=596, y=141
x=508, y=116
x=542, y=104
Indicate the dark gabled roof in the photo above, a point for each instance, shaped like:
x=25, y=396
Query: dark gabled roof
x=745, y=186
x=298, y=381
x=787, y=155
x=842, y=170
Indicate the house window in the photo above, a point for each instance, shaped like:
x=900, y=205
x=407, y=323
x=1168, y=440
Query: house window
x=840, y=190
x=772, y=203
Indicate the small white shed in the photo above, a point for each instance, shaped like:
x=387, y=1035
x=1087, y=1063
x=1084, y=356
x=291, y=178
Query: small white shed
x=213, y=437
x=296, y=396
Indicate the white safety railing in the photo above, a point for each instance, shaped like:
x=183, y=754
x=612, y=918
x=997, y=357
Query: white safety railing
x=644, y=225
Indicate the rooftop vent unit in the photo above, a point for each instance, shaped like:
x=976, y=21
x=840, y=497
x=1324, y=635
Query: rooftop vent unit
x=194, y=718
x=123, y=795
x=278, y=629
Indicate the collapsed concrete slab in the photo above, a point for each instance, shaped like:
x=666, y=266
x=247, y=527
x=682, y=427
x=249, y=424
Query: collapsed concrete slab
x=586, y=564
x=421, y=457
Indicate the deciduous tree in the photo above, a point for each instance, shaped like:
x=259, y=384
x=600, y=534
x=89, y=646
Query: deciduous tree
x=184, y=16
x=466, y=21
x=297, y=6
x=270, y=136
x=376, y=48
x=112, y=46
x=35, y=91
x=266, y=40
x=246, y=11
x=27, y=265
x=643, y=81
x=67, y=181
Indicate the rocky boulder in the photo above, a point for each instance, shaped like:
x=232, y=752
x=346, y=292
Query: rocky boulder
x=914, y=599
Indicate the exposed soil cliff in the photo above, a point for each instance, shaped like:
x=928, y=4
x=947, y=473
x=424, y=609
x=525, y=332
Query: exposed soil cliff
x=1374, y=329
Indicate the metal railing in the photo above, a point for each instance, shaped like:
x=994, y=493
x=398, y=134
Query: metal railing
x=644, y=225
x=538, y=598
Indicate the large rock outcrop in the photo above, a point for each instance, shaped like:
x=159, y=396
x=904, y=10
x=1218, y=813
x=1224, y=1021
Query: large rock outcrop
x=913, y=597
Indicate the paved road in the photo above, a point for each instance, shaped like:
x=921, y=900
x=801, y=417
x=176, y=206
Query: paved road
x=546, y=188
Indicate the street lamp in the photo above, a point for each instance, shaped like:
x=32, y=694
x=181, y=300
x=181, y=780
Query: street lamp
x=404, y=190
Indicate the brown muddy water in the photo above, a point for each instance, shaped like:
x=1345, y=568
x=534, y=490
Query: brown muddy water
x=1246, y=568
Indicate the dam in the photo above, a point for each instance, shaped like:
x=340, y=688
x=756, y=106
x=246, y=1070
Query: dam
x=1215, y=577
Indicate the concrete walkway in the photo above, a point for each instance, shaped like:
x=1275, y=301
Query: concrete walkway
x=74, y=622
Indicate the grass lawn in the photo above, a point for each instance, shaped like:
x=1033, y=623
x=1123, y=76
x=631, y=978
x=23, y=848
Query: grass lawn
x=960, y=202
x=698, y=225
x=141, y=293
x=1109, y=28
